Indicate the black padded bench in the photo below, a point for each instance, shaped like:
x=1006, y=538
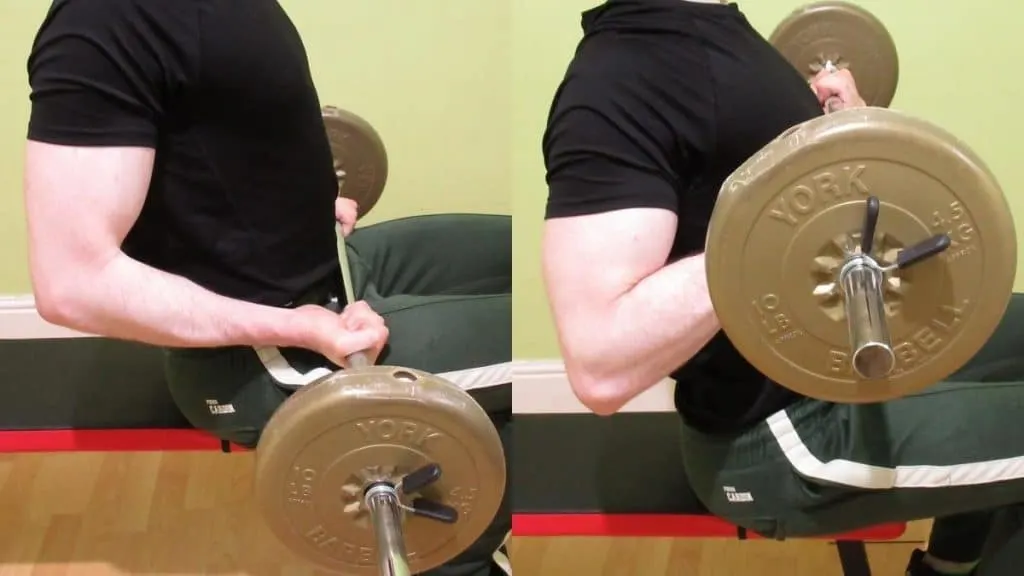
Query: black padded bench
x=584, y=475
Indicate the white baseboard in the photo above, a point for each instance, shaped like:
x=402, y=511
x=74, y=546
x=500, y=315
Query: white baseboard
x=19, y=320
x=539, y=386
x=542, y=387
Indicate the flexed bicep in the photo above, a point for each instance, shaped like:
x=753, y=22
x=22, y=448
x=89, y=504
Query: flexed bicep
x=592, y=261
x=80, y=204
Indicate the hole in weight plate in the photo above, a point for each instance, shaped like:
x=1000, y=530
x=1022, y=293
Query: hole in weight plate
x=404, y=376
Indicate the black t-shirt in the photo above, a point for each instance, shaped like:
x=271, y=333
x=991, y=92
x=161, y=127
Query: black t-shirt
x=241, y=199
x=661, y=102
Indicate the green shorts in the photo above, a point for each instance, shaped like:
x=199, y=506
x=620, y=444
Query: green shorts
x=444, y=287
x=819, y=468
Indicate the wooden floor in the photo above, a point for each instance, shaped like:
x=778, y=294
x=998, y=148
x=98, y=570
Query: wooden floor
x=192, y=513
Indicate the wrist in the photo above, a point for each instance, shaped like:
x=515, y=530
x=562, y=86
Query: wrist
x=288, y=328
x=304, y=327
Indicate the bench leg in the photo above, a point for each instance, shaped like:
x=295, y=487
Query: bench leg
x=853, y=557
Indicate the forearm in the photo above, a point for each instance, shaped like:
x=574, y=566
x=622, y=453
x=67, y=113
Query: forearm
x=648, y=332
x=128, y=300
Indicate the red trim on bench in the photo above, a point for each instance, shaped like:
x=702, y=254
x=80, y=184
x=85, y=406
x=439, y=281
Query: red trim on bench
x=659, y=525
x=123, y=440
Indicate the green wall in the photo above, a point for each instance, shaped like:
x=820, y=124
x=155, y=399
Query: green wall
x=459, y=90
x=441, y=109
x=955, y=70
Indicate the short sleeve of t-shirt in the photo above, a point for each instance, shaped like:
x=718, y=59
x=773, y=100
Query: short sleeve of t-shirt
x=616, y=137
x=102, y=73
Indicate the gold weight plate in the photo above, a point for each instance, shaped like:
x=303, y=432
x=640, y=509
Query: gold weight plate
x=784, y=218
x=334, y=436
x=360, y=159
x=847, y=35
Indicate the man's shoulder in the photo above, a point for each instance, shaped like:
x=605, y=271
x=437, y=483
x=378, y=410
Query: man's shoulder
x=96, y=19
x=126, y=35
x=656, y=80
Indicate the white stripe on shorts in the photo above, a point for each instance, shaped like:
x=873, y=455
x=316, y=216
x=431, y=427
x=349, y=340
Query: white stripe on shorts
x=467, y=379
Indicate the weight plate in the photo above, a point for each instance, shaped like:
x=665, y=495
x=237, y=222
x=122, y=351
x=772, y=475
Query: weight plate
x=847, y=35
x=360, y=159
x=785, y=218
x=327, y=442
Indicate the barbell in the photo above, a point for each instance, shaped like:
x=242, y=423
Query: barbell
x=863, y=255
x=360, y=158
x=858, y=257
x=839, y=34
x=376, y=469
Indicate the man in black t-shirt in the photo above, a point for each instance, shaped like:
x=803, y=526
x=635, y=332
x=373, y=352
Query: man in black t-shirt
x=180, y=192
x=662, y=100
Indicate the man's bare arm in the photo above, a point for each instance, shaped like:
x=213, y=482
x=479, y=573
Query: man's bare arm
x=625, y=320
x=81, y=203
